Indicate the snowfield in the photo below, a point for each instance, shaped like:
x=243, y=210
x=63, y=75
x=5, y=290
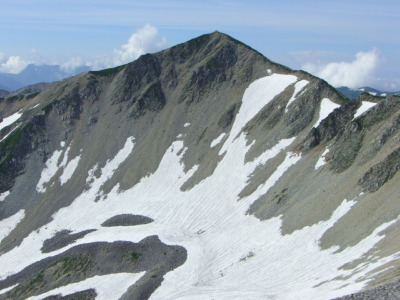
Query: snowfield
x=8, y=224
x=217, y=140
x=322, y=160
x=3, y=291
x=231, y=255
x=9, y=120
x=49, y=171
x=327, y=106
x=256, y=96
x=53, y=166
x=298, y=87
x=4, y=195
x=365, y=105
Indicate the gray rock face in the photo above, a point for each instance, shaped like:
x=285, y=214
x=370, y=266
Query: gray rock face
x=88, y=260
x=3, y=93
x=72, y=189
x=390, y=291
x=62, y=239
x=380, y=173
x=16, y=147
x=127, y=220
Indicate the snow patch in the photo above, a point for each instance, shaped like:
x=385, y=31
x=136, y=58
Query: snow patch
x=111, y=286
x=65, y=158
x=217, y=140
x=49, y=171
x=53, y=165
x=4, y=195
x=186, y=125
x=365, y=105
x=91, y=177
x=34, y=106
x=7, y=225
x=3, y=291
x=322, y=159
x=256, y=96
x=112, y=165
x=269, y=71
x=327, y=106
x=372, y=93
x=69, y=170
x=9, y=120
x=290, y=159
x=298, y=87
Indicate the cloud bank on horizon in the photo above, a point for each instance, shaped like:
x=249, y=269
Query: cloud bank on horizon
x=12, y=64
x=71, y=33
x=354, y=74
x=144, y=40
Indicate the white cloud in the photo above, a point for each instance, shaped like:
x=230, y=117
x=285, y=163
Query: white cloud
x=352, y=74
x=12, y=64
x=144, y=40
x=71, y=64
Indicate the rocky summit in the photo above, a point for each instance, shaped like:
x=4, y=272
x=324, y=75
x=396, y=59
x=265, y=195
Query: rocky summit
x=204, y=171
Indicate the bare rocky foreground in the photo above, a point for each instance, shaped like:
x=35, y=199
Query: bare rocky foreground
x=389, y=291
x=202, y=171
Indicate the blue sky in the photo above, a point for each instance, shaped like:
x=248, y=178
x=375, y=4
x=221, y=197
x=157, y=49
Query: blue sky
x=351, y=42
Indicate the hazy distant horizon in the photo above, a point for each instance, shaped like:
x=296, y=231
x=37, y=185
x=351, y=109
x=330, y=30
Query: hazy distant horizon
x=347, y=43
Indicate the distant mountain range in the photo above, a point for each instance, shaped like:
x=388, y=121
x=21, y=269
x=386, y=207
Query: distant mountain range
x=33, y=74
x=355, y=93
x=3, y=93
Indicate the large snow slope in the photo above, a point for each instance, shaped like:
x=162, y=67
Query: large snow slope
x=231, y=255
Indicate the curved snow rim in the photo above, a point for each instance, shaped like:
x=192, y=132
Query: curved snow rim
x=230, y=254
